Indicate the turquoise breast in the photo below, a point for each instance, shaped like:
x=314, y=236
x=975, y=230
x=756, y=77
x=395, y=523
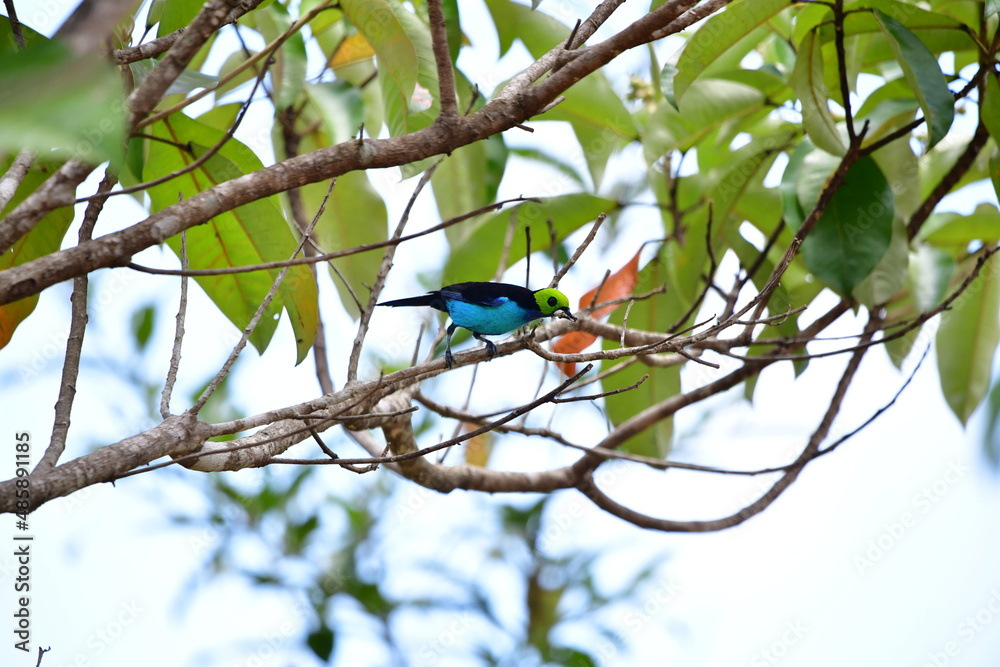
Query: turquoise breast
x=490, y=320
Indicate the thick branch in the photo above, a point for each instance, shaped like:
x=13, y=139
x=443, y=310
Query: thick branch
x=152, y=89
x=498, y=116
x=180, y=433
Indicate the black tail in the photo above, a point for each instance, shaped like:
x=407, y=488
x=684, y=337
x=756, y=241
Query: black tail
x=426, y=300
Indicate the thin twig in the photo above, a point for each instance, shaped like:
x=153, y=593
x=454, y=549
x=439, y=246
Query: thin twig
x=175, y=354
x=15, y=29
x=224, y=371
x=508, y=241
x=199, y=160
x=845, y=88
x=553, y=244
x=266, y=52
x=10, y=181
x=383, y=272
x=74, y=342
x=579, y=251
x=266, y=266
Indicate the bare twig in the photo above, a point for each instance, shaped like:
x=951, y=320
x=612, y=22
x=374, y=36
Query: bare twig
x=508, y=241
x=266, y=52
x=845, y=88
x=10, y=181
x=266, y=266
x=175, y=353
x=15, y=29
x=74, y=342
x=152, y=89
x=948, y=181
x=579, y=251
x=227, y=366
x=200, y=159
x=383, y=272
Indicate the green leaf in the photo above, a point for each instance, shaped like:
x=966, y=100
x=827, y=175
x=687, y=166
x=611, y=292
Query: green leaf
x=667, y=74
x=855, y=230
x=560, y=163
x=43, y=239
x=469, y=177
x=718, y=34
x=708, y=105
x=744, y=167
x=967, y=340
x=991, y=441
x=990, y=112
x=951, y=229
x=924, y=75
x=288, y=71
x=338, y=105
x=994, y=167
x=600, y=120
x=453, y=27
x=250, y=234
x=142, y=325
x=889, y=275
x=185, y=82
x=53, y=99
x=321, y=641
x=355, y=215
x=807, y=83
x=407, y=74
x=475, y=254
x=791, y=204
x=175, y=14
x=931, y=272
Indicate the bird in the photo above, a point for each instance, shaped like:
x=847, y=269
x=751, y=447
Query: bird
x=489, y=309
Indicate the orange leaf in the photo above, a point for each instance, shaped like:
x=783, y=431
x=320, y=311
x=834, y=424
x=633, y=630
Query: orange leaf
x=571, y=343
x=618, y=286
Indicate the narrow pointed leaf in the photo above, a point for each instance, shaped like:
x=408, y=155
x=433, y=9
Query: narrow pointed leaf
x=924, y=75
x=396, y=53
x=718, y=34
x=807, y=82
x=991, y=107
x=967, y=339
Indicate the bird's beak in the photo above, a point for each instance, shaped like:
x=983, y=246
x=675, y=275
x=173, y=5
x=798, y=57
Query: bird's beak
x=565, y=314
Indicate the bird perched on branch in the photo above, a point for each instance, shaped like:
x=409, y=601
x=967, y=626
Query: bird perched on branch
x=489, y=309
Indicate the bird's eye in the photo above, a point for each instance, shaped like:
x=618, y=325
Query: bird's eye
x=553, y=301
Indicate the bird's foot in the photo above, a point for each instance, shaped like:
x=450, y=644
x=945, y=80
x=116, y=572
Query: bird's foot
x=449, y=358
x=491, y=349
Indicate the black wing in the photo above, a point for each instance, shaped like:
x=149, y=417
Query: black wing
x=489, y=294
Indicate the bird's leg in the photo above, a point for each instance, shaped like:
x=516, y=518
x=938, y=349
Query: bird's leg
x=449, y=358
x=491, y=349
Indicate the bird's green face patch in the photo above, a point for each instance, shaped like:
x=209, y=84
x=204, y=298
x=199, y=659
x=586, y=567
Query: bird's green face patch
x=552, y=300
